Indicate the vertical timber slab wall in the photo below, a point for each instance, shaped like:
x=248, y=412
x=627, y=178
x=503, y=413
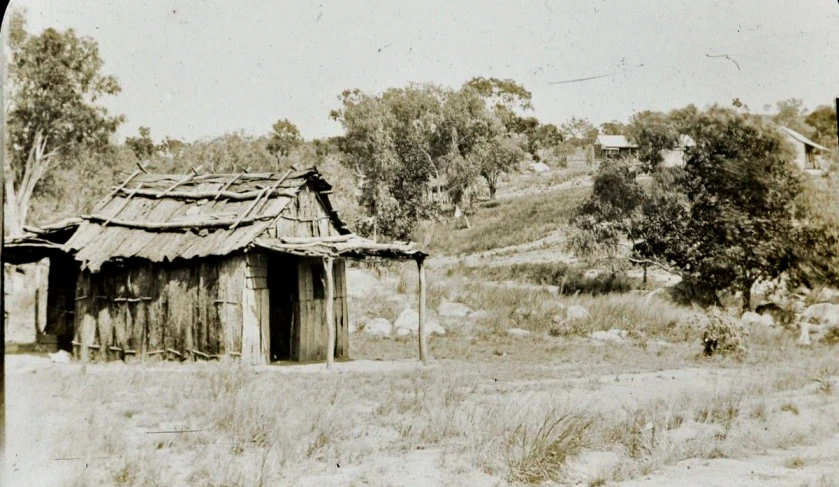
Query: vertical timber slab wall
x=140, y=310
x=256, y=304
x=304, y=216
x=312, y=311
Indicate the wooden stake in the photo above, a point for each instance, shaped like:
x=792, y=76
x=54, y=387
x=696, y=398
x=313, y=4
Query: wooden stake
x=330, y=311
x=423, y=346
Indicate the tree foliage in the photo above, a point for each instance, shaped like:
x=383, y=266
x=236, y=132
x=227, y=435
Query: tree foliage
x=408, y=141
x=143, y=146
x=823, y=121
x=653, y=132
x=730, y=217
x=55, y=82
x=284, y=137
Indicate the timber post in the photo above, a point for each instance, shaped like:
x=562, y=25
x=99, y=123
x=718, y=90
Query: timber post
x=330, y=311
x=423, y=346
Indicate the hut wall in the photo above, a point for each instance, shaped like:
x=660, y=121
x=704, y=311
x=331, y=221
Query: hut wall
x=304, y=216
x=138, y=310
x=256, y=324
x=311, y=311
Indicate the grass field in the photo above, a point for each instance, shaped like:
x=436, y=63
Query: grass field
x=494, y=411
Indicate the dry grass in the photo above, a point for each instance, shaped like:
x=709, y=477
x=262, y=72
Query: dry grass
x=508, y=417
x=504, y=223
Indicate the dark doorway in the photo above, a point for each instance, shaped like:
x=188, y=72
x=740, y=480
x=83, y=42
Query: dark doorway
x=282, y=286
x=61, y=303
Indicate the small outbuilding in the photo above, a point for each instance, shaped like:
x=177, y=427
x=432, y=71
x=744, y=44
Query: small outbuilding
x=209, y=266
x=808, y=154
x=613, y=147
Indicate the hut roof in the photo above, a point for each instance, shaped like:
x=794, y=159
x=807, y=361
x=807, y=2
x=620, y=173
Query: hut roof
x=804, y=140
x=615, y=142
x=162, y=217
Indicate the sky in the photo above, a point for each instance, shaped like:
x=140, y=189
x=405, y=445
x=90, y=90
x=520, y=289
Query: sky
x=198, y=69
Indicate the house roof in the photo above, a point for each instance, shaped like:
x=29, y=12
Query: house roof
x=615, y=142
x=804, y=140
x=162, y=217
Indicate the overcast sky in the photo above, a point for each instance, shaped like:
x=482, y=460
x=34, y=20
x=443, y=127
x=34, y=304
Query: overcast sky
x=193, y=69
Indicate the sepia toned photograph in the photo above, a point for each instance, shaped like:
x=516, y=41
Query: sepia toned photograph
x=306, y=243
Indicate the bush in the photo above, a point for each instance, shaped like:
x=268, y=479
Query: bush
x=722, y=335
x=568, y=279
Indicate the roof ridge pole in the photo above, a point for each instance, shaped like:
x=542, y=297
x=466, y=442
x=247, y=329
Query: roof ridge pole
x=330, y=311
x=423, y=345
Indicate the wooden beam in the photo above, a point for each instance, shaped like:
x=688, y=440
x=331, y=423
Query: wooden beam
x=330, y=311
x=121, y=187
x=182, y=181
x=124, y=204
x=423, y=345
x=176, y=225
x=200, y=195
x=230, y=183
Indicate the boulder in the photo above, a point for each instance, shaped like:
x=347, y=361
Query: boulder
x=539, y=167
x=378, y=327
x=614, y=335
x=576, y=312
x=453, y=310
x=751, y=318
x=819, y=321
x=518, y=332
x=409, y=320
x=480, y=315
x=362, y=284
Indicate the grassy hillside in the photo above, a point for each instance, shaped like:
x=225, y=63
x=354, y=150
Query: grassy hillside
x=513, y=221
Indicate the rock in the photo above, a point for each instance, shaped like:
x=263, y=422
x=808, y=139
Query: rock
x=751, y=318
x=60, y=357
x=481, y=315
x=819, y=321
x=518, y=332
x=409, y=320
x=591, y=273
x=826, y=295
x=614, y=335
x=378, y=327
x=576, y=313
x=361, y=284
x=402, y=332
x=558, y=319
x=539, y=167
x=453, y=310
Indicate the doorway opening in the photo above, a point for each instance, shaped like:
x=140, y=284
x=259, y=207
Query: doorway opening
x=282, y=287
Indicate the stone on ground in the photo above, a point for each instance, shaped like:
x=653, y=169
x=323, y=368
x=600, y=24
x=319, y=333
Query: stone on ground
x=453, y=310
x=576, y=312
x=378, y=327
x=409, y=320
x=518, y=332
x=614, y=335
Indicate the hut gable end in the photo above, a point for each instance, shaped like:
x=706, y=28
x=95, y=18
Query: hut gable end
x=307, y=215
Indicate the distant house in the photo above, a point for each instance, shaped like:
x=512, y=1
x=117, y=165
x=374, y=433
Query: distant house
x=808, y=154
x=676, y=156
x=613, y=147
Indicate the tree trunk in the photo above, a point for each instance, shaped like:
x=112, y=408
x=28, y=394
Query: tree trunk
x=747, y=296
